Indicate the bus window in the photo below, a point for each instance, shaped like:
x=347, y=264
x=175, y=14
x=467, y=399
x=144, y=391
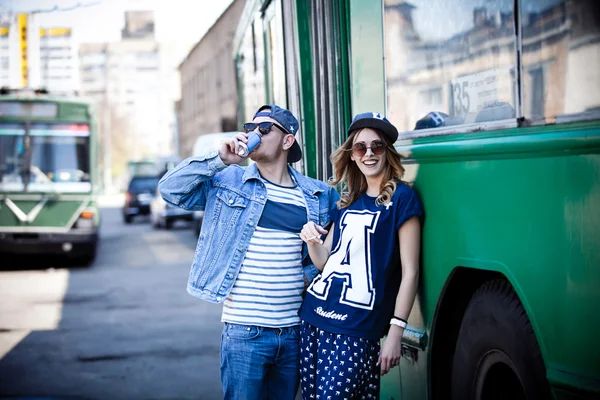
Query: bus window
x=12, y=152
x=250, y=67
x=273, y=28
x=51, y=154
x=455, y=58
x=561, y=60
x=60, y=152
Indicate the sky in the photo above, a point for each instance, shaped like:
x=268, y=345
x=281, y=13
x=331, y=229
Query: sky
x=181, y=23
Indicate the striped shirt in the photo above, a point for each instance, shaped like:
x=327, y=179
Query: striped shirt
x=268, y=289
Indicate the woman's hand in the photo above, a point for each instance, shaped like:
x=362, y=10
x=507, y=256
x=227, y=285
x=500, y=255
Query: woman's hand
x=229, y=148
x=391, y=351
x=311, y=233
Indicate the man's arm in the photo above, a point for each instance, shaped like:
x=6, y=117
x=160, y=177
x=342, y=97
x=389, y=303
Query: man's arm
x=187, y=184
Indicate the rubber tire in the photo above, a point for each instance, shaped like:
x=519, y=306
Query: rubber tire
x=496, y=335
x=168, y=223
x=127, y=219
x=89, y=256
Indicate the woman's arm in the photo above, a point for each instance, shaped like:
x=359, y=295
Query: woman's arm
x=410, y=245
x=317, y=249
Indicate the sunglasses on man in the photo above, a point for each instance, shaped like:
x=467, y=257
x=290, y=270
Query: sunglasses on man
x=359, y=149
x=263, y=127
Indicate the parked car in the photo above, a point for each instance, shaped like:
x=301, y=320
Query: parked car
x=204, y=144
x=163, y=215
x=140, y=192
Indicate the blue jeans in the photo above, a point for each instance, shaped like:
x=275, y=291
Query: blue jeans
x=260, y=363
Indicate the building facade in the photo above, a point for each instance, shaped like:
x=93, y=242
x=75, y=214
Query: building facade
x=37, y=57
x=208, y=84
x=17, y=55
x=58, y=60
x=134, y=88
x=5, y=74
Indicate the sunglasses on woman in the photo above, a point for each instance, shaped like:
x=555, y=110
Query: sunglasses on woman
x=263, y=127
x=359, y=149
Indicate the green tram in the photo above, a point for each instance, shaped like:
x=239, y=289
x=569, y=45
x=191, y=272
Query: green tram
x=48, y=176
x=498, y=105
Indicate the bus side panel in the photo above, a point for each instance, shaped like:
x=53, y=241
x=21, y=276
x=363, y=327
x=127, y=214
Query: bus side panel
x=527, y=206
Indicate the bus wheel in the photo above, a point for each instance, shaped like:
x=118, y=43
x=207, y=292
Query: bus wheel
x=88, y=255
x=497, y=355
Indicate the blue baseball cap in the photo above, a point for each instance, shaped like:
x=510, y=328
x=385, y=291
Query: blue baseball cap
x=374, y=120
x=287, y=120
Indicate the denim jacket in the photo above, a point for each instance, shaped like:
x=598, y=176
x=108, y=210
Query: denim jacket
x=233, y=199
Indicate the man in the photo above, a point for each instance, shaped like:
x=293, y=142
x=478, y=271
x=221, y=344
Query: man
x=249, y=254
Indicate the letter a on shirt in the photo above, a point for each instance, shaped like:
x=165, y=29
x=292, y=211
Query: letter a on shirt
x=350, y=261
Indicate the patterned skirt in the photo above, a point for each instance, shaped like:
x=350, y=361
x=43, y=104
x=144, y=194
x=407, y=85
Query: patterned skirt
x=335, y=366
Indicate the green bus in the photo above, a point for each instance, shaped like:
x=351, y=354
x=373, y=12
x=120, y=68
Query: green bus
x=498, y=105
x=48, y=176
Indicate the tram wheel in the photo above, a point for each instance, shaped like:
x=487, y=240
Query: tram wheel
x=497, y=356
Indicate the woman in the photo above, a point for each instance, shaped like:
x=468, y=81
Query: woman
x=369, y=278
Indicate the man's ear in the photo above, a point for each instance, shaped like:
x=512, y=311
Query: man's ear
x=288, y=141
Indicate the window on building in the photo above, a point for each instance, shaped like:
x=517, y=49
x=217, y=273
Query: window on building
x=94, y=58
x=140, y=68
x=147, y=56
x=94, y=68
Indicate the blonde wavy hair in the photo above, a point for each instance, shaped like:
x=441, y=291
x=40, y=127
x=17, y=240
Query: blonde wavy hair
x=354, y=182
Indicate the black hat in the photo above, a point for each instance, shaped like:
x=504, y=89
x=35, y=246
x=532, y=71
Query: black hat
x=377, y=121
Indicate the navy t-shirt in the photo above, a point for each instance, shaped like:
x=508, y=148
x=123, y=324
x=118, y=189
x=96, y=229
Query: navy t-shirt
x=356, y=293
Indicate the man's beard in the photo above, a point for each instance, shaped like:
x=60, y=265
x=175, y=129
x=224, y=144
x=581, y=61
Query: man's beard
x=266, y=158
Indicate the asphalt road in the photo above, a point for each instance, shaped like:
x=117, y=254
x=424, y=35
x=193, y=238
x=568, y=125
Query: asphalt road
x=123, y=328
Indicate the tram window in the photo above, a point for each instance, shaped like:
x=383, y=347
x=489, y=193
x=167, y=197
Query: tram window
x=250, y=66
x=276, y=54
x=561, y=59
x=449, y=62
